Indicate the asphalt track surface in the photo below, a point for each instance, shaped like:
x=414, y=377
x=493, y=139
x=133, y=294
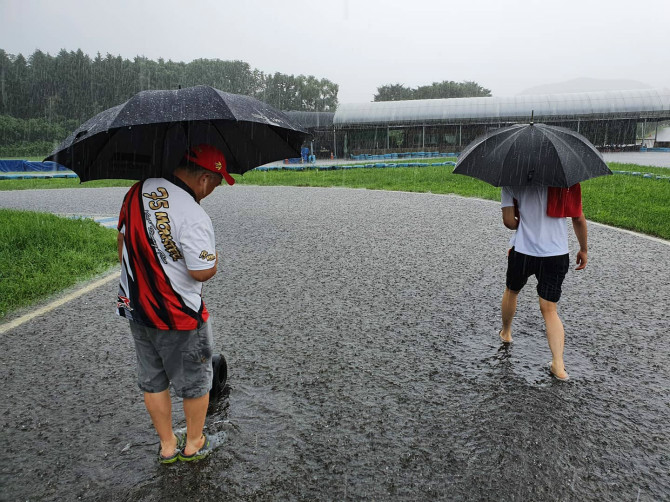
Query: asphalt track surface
x=360, y=329
x=657, y=159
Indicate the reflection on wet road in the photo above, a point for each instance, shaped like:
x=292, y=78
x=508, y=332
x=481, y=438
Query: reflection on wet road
x=360, y=330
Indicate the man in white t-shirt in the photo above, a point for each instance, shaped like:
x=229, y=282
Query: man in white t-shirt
x=540, y=248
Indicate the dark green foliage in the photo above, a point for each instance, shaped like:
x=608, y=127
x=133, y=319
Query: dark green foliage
x=31, y=137
x=44, y=98
x=436, y=90
x=72, y=85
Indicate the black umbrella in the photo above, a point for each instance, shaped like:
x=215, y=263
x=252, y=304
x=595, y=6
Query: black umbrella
x=148, y=134
x=531, y=154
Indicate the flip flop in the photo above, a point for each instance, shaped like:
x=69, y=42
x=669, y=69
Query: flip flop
x=181, y=442
x=207, y=448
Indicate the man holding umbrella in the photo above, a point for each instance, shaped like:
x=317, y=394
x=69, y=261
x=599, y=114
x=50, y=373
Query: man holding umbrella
x=167, y=250
x=540, y=248
x=166, y=240
x=539, y=168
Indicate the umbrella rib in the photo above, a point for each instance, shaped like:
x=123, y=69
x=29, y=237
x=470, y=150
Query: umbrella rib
x=507, y=142
x=223, y=138
x=101, y=149
x=159, y=164
x=557, y=138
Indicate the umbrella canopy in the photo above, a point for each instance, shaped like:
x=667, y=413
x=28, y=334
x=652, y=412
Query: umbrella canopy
x=148, y=134
x=531, y=154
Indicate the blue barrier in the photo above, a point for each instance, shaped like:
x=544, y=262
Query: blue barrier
x=22, y=166
x=643, y=175
x=402, y=155
x=25, y=176
x=375, y=165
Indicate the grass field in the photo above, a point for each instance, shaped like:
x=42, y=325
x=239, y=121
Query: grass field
x=42, y=254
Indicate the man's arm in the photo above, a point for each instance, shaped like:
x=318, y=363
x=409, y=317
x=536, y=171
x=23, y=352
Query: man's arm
x=579, y=226
x=207, y=274
x=509, y=220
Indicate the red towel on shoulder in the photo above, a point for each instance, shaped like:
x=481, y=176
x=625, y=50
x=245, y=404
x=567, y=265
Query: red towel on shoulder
x=564, y=202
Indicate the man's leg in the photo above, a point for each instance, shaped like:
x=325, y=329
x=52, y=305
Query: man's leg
x=508, y=310
x=159, y=406
x=555, y=336
x=195, y=410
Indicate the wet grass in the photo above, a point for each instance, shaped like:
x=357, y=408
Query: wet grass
x=630, y=202
x=42, y=254
x=434, y=179
x=40, y=183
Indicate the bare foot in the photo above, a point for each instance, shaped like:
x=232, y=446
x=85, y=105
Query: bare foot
x=561, y=375
x=507, y=339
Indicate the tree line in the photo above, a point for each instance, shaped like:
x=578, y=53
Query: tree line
x=42, y=96
x=436, y=90
x=72, y=85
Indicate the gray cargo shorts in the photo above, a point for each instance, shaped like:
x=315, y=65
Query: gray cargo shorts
x=183, y=358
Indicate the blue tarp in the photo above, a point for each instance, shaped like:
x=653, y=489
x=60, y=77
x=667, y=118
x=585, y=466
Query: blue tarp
x=22, y=166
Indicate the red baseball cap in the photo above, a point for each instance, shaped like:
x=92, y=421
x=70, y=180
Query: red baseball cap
x=210, y=158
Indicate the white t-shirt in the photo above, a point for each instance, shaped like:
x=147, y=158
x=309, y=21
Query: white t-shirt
x=537, y=234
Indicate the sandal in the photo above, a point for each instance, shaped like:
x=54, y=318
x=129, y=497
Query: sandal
x=203, y=452
x=181, y=443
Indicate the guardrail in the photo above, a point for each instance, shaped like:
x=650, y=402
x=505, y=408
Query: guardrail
x=403, y=155
x=375, y=165
x=643, y=175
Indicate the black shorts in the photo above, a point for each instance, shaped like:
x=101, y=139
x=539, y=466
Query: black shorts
x=549, y=271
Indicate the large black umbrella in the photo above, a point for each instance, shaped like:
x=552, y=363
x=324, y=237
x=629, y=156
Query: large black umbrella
x=531, y=154
x=148, y=134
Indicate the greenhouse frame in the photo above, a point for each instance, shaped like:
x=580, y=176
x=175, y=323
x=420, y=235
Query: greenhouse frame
x=616, y=120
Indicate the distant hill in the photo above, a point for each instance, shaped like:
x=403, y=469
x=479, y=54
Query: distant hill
x=586, y=85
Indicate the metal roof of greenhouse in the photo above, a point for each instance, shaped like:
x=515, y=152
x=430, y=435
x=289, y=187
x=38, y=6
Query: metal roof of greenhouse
x=312, y=119
x=642, y=103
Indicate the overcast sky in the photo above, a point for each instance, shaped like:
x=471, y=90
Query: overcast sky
x=504, y=45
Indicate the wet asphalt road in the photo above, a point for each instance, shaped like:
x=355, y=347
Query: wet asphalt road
x=360, y=329
x=658, y=159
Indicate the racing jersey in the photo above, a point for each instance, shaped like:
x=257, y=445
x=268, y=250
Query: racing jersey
x=166, y=234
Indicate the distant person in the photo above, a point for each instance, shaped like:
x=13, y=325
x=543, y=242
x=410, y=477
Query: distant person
x=540, y=248
x=167, y=250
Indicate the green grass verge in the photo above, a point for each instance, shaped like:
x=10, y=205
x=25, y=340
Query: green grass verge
x=31, y=159
x=435, y=179
x=35, y=183
x=42, y=254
